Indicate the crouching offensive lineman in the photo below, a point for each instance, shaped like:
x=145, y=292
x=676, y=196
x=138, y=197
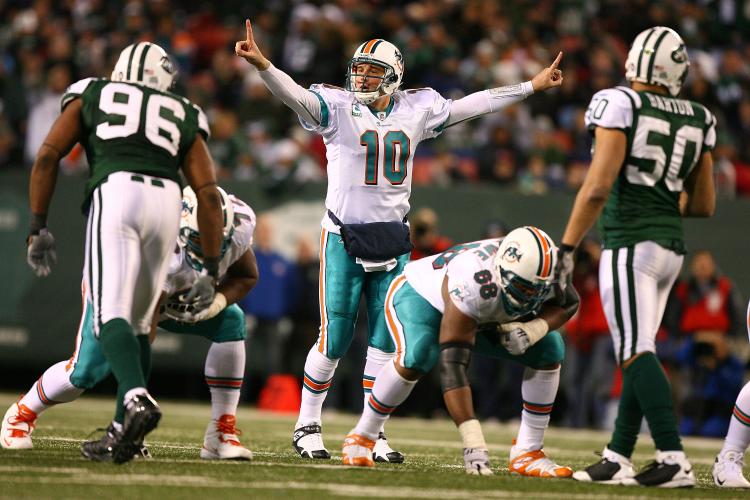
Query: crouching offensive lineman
x=223, y=323
x=495, y=296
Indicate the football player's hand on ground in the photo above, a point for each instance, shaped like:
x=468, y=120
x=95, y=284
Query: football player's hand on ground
x=513, y=338
x=549, y=77
x=477, y=462
x=40, y=253
x=248, y=49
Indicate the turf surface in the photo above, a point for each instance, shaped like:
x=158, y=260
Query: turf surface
x=433, y=468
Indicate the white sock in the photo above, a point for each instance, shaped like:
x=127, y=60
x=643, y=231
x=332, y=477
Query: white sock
x=224, y=371
x=388, y=392
x=738, y=436
x=538, y=390
x=53, y=387
x=375, y=361
x=318, y=375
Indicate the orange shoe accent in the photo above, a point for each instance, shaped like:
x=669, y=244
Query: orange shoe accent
x=520, y=464
x=227, y=424
x=25, y=415
x=358, y=440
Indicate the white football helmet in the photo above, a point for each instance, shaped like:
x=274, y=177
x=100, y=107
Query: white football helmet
x=525, y=267
x=658, y=57
x=381, y=53
x=145, y=63
x=190, y=238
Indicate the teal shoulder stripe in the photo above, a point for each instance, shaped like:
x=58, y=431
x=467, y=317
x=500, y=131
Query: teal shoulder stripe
x=440, y=127
x=323, y=110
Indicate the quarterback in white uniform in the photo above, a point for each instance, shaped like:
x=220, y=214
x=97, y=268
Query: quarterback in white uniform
x=495, y=296
x=371, y=130
x=223, y=323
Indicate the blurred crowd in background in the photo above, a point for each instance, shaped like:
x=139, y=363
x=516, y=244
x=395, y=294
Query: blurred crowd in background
x=455, y=47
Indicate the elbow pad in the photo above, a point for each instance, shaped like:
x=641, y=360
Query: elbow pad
x=454, y=363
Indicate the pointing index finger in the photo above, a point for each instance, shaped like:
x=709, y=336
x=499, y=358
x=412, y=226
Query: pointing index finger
x=249, y=30
x=552, y=66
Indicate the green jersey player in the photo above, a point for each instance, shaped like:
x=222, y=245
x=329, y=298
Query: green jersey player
x=137, y=135
x=651, y=166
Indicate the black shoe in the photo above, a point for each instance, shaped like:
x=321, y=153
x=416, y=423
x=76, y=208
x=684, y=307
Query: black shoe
x=611, y=469
x=101, y=449
x=382, y=452
x=669, y=470
x=308, y=442
x=142, y=415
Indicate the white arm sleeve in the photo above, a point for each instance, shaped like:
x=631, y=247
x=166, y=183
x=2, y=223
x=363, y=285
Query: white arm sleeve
x=301, y=101
x=487, y=101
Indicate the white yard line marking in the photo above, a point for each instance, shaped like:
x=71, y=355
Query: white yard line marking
x=335, y=489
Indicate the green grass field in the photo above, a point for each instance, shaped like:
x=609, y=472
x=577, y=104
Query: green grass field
x=433, y=468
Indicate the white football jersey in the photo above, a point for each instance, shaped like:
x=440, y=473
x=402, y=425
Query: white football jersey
x=472, y=282
x=370, y=154
x=182, y=275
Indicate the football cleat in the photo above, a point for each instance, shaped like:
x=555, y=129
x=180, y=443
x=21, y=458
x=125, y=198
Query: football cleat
x=101, y=449
x=382, y=452
x=613, y=468
x=534, y=463
x=142, y=415
x=357, y=450
x=18, y=424
x=221, y=441
x=308, y=442
x=671, y=469
x=727, y=470
x=477, y=462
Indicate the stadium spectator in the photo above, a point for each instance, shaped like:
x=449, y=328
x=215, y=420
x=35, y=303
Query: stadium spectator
x=715, y=379
x=425, y=235
x=708, y=301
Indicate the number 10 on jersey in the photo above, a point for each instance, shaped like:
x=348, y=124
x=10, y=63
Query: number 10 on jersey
x=394, y=163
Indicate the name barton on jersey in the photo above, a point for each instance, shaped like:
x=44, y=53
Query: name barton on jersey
x=666, y=137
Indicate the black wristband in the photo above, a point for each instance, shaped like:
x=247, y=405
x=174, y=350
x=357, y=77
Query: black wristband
x=211, y=265
x=564, y=248
x=38, y=222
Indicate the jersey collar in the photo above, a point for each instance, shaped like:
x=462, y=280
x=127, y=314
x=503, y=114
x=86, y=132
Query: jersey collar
x=382, y=115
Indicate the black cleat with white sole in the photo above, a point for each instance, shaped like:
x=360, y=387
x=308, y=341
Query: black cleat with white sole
x=671, y=469
x=613, y=468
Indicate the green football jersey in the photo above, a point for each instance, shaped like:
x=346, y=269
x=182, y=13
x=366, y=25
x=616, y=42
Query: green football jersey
x=665, y=140
x=134, y=128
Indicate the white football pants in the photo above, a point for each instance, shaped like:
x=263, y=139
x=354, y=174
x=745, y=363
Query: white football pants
x=132, y=228
x=634, y=283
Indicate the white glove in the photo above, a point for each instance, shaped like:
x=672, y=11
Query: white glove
x=477, y=462
x=186, y=312
x=201, y=294
x=515, y=341
x=219, y=304
x=516, y=337
x=40, y=253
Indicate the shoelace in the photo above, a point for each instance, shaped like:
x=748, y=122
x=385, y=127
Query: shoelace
x=228, y=426
x=24, y=416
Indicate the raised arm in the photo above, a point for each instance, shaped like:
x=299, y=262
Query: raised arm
x=301, y=101
x=491, y=100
